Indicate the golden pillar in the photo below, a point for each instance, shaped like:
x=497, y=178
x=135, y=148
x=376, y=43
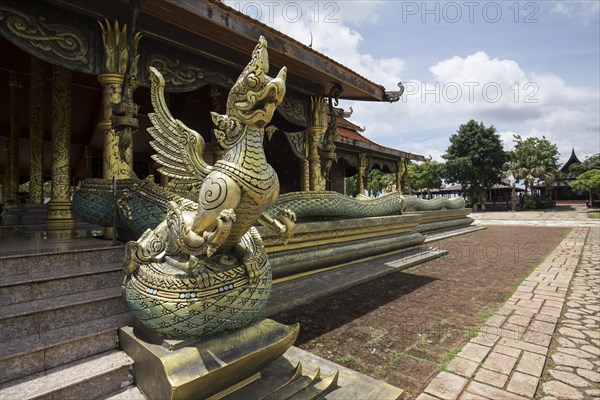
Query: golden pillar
x=305, y=178
x=111, y=94
x=118, y=149
x=11, y=175
x=36, y=132
x=60, y=216
x=399, y=175
x=315, y=135
x=362, y=167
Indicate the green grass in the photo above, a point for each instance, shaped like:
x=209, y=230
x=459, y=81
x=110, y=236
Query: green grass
x=449, y=356
x=594, y=215
x=348, y=358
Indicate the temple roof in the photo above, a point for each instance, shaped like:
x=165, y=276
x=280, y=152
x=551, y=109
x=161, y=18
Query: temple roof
x=572, y=160
x=349, y=134
x=239, y=32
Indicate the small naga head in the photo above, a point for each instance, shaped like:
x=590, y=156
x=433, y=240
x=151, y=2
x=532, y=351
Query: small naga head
x=255, y=96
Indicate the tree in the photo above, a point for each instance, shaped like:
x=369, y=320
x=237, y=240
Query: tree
x=512, y=168
x=428, y=176
x=378, y=181
x=591, y=162
x=590, y=182
x=535, y=159
x=474, y=159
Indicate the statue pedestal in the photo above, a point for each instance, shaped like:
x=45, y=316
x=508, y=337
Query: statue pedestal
x=204, y=368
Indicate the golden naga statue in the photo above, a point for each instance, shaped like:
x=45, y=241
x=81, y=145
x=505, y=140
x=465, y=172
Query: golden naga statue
x=203, y=269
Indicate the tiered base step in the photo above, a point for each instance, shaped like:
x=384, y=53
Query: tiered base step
x=60, y=310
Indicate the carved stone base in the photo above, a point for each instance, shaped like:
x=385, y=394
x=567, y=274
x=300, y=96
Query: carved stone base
x=199, y=369
x=60, y=216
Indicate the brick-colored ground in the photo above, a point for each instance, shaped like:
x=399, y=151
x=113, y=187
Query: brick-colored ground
x=402, y=328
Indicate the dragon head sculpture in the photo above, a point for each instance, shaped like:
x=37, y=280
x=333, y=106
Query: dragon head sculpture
x=255, y=96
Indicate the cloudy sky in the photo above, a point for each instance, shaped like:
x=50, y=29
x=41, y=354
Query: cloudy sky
x=526, y=67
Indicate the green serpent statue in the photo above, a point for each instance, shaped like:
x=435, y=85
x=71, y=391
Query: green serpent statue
x=204, y=269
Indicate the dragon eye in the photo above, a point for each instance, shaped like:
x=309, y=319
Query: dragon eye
x=252, y=81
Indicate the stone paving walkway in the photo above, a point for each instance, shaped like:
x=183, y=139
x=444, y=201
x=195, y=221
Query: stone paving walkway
x=573, y=369
x=560, y=216
x=506, y=359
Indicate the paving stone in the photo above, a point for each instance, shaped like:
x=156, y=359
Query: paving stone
x=592, y=334
x=591, y=349
x=509, y=351
x=491, y=377
x=446, y=386
x=485, y=338
x=462, y=366
x=563, y=368
x=571, y=332
x=574, y=352
x=537, y=338
x=564, y=342
x=425, y=396
x=593, y=392
x=491, y=392
x=500, y=363
x=569, y=378
x=474, y=352
x=522, y=384
x=561, y=390
x=519, y=344
x=589, y=375
x=531, y=363
x=520, y=320
x=547, y=318
x=571, y=315
x=547, y=328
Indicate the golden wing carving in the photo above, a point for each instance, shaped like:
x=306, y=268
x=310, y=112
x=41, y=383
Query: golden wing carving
x=178, y=148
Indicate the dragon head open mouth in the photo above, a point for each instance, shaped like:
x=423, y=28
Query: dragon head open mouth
x=255, y=96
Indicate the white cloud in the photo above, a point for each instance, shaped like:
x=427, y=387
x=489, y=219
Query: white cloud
x=328, y=25
x=496, y=91
x=528, y=104
x=585, y=11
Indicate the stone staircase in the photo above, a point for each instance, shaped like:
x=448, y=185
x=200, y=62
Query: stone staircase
x=59, y=314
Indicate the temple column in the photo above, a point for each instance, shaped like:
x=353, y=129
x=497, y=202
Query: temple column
x=119, y=112
x=36, y=132
x=305, y=167
x=60, y=216
x=399, y=175
x=111, y=94
x=315, y=135
x=362, y=167
x=11, y=182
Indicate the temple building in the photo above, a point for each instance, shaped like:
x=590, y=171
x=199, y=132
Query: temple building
x=74, y=76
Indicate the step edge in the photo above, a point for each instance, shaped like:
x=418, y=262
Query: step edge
x=95, y=295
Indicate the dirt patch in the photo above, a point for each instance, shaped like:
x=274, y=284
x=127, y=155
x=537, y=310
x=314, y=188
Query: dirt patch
x=406, y=326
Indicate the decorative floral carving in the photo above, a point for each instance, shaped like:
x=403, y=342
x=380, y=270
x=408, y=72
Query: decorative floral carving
x=62, y=40
x=178, y=73
x=294, y=109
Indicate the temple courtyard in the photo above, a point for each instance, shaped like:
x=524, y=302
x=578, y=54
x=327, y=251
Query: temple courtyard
x=511, y=312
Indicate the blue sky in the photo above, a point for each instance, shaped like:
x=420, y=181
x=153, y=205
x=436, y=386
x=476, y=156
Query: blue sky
x=526, y=67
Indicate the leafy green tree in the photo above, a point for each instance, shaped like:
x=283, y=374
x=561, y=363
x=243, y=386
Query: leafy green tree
x=378, y=181
x=512, y=168
x=589, y=181
x=474, y=159
x=428, y=176
x=535, y=159
x=352, y=186
x=591, y=162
